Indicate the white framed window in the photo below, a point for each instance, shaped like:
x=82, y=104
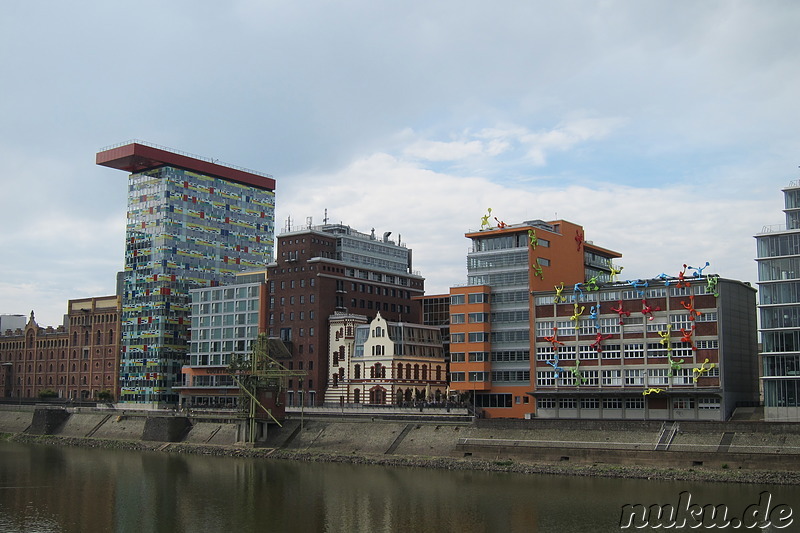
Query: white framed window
x=634, y=403
x=566, y=328
x=708, y=403
x=544, y=300
x=633, y=376
x=655, y=327
x=567, y=378
x=590, y=403
x=478, y=377
x=587, y=327
x=457, y=337
x=544, y=353
x=707, y=344
x=609, y=325
x=568, y=403
x=545, y=328
x=456, y=376
x=590, y=377
x=656, y=349
x=587, y=352
x=545, y=378
x=634, y=351
x=566, y=352
x=457, y=357
x=681, y=349
x=682, y=376
x=680, y=321
x=611, y=351
x=609, y=296
x=612, y=403
x=545, y=403
x=680, y=291
x=657, y=376
x=707, y=316
x=612, y=377
x=656, y=292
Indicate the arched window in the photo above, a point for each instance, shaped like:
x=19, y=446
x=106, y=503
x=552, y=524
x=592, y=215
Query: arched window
x=357, y=395
x=86, y=337
x=99, y=337
x=399, y=371
x=425, y=372
x=357, y=372
x=438, y=372
x=74, y=338
x=111, y=336
x=416, y=371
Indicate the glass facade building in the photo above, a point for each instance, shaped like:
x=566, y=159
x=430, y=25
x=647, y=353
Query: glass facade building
x=778, y=257
x=191, y=223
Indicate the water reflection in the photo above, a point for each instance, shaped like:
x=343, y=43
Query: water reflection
x=73, y=489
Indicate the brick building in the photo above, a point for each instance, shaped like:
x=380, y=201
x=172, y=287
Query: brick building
x=77, y=360
x=332, y=268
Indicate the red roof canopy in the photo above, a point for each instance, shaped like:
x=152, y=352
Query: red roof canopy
x=135, y=157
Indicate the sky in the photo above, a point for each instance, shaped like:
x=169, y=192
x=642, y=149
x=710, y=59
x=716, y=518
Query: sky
x=666, y=128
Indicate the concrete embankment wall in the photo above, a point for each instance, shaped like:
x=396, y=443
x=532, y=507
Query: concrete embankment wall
x=768, y=446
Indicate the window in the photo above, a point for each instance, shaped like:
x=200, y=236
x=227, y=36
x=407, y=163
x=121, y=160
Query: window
x=545, y=328
x=478, y=357
x=544, y=353
x=634, y=351
x=566, y=328
x=457, y=318
x=477, y=336
x=587, y=352
x=590, y=403
x=568, y=403
x=658, y=376
x=609, y=325
x=612, y=377
x=682, y=376
x=634, y=403
x=545, y=378
x=546, y=403
x=680, y=321
x=611, y=351
x=633, y=377
x=612, y=403
x=475, y=318
x=542, y=261
x=708, y=403
x=456, y=299
x=708, y=317
x=457, y=337
x=456, y=376
x=478, y=298
x=478, y=376
x=683, y=403
x=567, y=353
x=457, y=357
x=590, y=377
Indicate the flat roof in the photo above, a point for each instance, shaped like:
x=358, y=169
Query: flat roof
x=137, y=156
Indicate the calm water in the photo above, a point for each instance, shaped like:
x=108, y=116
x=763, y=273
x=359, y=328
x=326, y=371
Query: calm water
x=45, y=488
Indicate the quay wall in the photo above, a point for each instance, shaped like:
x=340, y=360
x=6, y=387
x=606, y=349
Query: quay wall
x=736, y=445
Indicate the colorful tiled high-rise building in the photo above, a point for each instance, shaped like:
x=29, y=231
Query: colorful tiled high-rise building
x=191, y=223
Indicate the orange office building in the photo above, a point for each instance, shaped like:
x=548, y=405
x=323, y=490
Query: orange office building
x=492, y=317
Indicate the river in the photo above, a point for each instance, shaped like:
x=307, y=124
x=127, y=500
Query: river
x=64, y=489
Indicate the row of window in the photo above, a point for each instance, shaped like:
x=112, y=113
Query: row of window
x=626, y=294
x=628, y=377
x=623, y=403
x=499, y=355
x=587, y=326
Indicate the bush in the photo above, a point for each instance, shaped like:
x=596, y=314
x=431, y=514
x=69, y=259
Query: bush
x=105, y=396
x=44, y=394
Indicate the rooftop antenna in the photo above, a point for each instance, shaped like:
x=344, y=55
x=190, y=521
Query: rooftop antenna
x=308, y=222
x=325, y=219
x=289, y=223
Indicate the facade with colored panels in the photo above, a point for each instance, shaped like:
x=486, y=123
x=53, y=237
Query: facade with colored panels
x=491, y=318
x=778, y=257
x=659, y=349
x=226, y=320
x=328, y=269
x=77, y=360
x=191, y=223
x=384, y=363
